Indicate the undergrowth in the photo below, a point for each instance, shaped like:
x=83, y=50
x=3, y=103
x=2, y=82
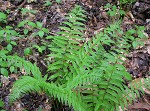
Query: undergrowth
x=87, y=75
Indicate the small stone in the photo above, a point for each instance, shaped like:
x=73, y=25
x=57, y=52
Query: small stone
x=137, y=4
x=147, y=20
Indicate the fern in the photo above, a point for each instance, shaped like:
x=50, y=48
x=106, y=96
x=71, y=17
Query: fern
x=20, y=63
x=85, y=76
x=29, y=84
x=66, y=46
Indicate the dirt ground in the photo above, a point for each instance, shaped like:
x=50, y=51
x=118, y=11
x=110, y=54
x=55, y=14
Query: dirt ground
x=138, y=61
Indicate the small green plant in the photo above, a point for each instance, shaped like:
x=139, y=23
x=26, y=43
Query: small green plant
x=40, y=32
x=29, y=26
x=40, y=48
x=114, y=12
x=25, y=11
x=5, y=67
x=49, y=3
x=1, y=104
x=3, y=17
x=58, y=1
x=8, y=34
x=123, y=2
x=27, y=51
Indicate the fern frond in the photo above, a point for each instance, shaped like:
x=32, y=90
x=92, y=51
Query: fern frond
x=65, y=95
x=19, y=62
x=103, y=85
x=29, y=84
x=67, y=44
x=24, y=85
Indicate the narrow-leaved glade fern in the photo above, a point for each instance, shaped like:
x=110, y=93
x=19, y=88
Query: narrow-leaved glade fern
x=66, y=45
x=85, y=75
x=18, y=62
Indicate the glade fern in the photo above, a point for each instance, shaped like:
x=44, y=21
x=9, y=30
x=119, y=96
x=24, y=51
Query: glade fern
x=85, y=75
x=66, y=46
x=19, y=62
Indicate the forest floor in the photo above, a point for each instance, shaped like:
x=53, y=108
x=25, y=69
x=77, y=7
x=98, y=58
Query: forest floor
x=137, y=64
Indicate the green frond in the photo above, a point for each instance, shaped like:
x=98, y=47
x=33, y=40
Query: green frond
x=65, y=95
x=19, y=62
x=67, y=44
x=29, y=84
x=25, y=85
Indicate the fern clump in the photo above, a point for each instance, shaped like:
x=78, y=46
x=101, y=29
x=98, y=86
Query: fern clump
x=84, y=75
